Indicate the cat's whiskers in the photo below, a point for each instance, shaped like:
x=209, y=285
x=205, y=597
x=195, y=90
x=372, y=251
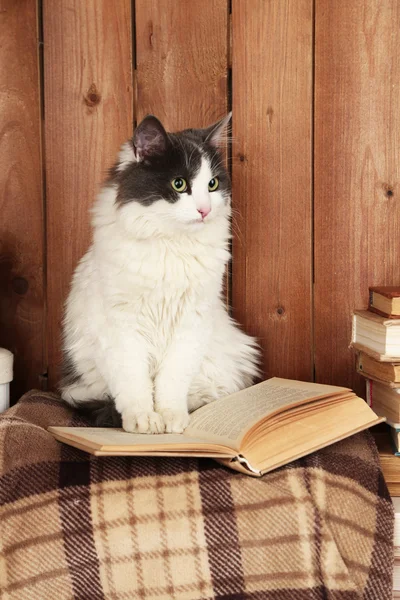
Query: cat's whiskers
x=235, y=225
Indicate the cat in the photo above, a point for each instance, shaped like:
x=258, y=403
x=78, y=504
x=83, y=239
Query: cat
x=147, y=336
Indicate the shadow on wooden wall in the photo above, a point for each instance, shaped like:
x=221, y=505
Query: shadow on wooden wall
x=22, y=229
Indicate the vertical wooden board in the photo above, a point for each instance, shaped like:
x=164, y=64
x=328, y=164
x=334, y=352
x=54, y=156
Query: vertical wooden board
x=88, y=115
x=272, y=125
x=182, y=61
x=21, y=200
x=182, y=54
x=357, y=163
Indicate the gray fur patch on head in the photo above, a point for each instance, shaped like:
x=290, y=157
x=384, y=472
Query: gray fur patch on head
x=144, y=171
x=150, y=180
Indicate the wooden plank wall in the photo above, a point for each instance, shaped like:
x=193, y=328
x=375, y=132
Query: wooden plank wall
x=357, y=168
x=88, y=114
x=22, y=310
x=182, y=61
x=315, y=97
x=272, y=180
x=171, y=35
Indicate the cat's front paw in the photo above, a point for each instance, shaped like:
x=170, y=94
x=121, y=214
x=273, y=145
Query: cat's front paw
x=143, y=422
x=175, y=421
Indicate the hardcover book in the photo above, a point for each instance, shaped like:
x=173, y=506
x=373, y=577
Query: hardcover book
x=384, y=400
x=384, y=372
x=377, y=336
x=396, y=440
x=385, y=301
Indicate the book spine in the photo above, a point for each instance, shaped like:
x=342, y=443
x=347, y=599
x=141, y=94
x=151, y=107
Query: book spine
x=395, y=441
x=239, y=463
x=6, y=376
x=371, y=296
x=368, y=383
x=245, y=463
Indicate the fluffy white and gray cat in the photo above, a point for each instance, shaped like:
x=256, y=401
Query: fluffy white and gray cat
x=147, y=337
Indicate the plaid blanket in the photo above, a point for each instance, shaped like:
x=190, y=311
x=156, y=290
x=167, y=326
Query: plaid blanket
x=73, y=526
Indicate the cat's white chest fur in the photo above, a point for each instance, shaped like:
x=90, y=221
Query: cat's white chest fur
x=155, y=283
x=153, y=286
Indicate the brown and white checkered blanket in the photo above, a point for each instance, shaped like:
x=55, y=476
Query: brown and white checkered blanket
x=73, y=526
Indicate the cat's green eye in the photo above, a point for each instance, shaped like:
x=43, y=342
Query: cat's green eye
x=179, y=184
x=213, y=184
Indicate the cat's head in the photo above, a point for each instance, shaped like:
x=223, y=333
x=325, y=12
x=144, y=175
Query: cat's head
x=168, y=183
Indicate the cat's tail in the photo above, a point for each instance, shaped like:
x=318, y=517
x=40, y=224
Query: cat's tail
x=101, y=413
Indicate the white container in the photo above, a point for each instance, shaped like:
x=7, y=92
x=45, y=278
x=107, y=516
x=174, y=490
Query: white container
x=6, y=375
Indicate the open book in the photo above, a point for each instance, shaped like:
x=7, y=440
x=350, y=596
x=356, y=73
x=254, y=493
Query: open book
x=254, y=431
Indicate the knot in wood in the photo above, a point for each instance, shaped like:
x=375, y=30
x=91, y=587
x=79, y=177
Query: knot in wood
x=20, y=285
x=92, y=97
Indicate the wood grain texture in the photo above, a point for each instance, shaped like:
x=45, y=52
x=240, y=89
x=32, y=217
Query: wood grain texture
x=21, y=199
x=88, y=114
x=182, y=61
x=182, y=54
x=357, y=162
x=272, y=123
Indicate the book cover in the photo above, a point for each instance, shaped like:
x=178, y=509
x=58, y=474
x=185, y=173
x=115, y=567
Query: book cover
x=386, y=372
x=385, y=301
x=390, y=384
x=376, y=335
x=383, y=400
x=389, y=291
x=375, y=318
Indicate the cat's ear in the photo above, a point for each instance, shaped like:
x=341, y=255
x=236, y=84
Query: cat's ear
x=216, y=134
x=150, y=138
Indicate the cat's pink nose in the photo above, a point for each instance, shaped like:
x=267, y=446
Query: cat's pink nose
x=204, y=212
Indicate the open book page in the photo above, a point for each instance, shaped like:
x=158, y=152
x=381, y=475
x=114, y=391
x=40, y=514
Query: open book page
x=227, y=420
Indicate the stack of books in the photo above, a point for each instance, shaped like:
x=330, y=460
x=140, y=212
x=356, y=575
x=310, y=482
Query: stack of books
x=376, y=337
x=396, y=572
